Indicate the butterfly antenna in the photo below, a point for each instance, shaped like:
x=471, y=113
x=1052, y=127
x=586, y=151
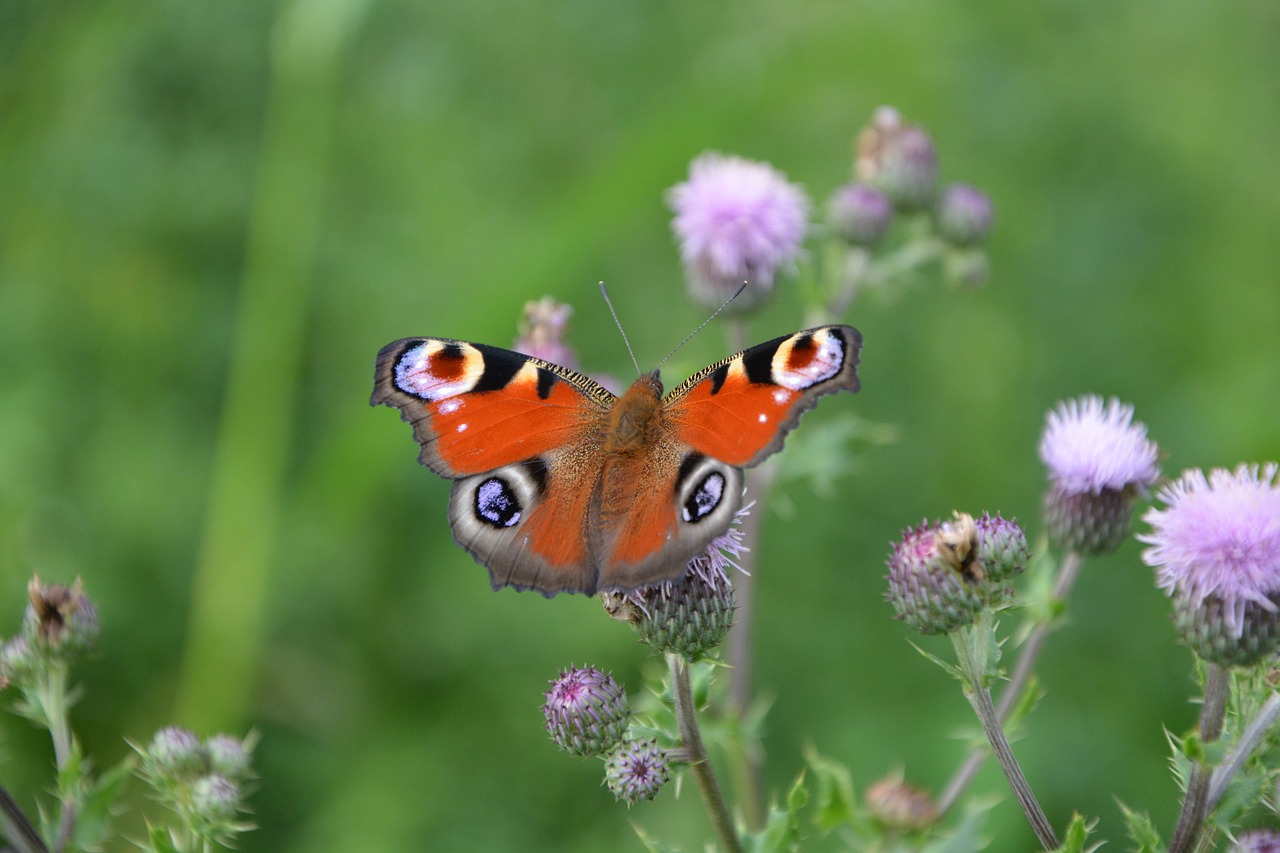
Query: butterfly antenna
x=604, y=291
x=704, y=324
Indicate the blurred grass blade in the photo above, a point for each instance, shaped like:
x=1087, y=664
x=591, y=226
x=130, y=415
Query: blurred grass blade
x=232, y=574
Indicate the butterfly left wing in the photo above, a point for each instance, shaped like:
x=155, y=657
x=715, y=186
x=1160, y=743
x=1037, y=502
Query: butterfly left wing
x=740, y=410
x=520, y=437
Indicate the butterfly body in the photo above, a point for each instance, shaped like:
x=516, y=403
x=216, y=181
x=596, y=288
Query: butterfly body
x=560, y=486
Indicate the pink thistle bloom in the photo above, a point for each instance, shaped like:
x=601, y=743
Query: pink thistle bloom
x=1219, y=537
x=1088, y=448
x=737, y=220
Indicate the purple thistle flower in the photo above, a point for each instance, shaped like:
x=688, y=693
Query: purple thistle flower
x=636, y=770
x=1099, y=460
x=1218, y=540
x=737, y=221
x=542, y=331
x=1089, y=448
x=586, y=712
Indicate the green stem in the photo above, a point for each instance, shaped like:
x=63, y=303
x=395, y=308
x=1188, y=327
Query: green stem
x=972, y=646
x=1249, y=740
x=696, y=753
x=1068, y=571
x=1195, y=806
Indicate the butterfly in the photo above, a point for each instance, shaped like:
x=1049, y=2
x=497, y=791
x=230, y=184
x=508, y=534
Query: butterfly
x=560, y=486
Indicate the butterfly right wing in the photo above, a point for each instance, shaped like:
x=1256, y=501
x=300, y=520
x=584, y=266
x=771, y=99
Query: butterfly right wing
x=520, y=436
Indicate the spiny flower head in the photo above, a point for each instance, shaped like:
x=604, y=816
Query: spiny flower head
x=61, y=621
x=636, y=770
x=692, y=615
x=737, y=221
x=964, y=215
x=1099, y=461
x=1002, y=548
x=933, y=589
x=899, y=158
x=586, y=711
x=859, y=213
x=1217, y=543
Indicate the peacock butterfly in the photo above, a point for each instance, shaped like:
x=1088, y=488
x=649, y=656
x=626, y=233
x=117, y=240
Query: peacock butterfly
x=560, y=486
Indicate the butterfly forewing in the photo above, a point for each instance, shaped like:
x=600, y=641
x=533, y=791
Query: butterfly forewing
x=740, y=410
x=475, y=408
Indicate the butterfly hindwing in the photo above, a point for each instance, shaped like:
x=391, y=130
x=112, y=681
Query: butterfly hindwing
x=740, y=410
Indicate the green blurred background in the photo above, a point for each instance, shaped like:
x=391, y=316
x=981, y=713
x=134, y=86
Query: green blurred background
x=212, y=215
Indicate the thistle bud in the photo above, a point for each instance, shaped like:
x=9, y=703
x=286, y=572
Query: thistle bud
x=927, y=589
x=897, y=805
x=963, y=215
x=215, y=798
x=636, y=770
x=898, y=158
x=586, y=712
x=860, y=214
x=175, y=755
x=61, y=620
x=229, y=757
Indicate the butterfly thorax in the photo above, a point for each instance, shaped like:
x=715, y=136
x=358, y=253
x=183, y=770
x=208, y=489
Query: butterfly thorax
x=635, y=421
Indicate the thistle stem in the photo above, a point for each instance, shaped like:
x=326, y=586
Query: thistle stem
x=1195, y=806
x=52, y=693
x=971, y=646
x=739, y=646
x=1249, y=740
x=1068, y=571
x=699, y=765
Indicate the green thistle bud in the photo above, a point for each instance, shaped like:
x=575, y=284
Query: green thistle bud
x=1211, y=630
x=215, y=799
x=175, y=755
x=1002, y=548
x=586, y=712
x=229, y=756
x=636, y=770
x=927, y=588
x=1092, y=524
x=690, y=616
